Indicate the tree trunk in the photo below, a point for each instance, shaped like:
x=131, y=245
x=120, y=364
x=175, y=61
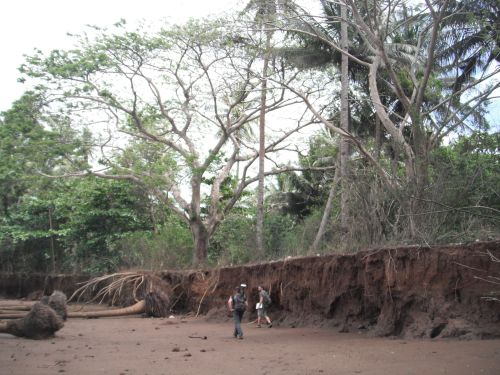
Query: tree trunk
x=201, y=240
x=326, y=212
x=259, y=228
x=51, y=241
x=344, y=122
x=420, y=181
x=378, y=138
x=198, y=228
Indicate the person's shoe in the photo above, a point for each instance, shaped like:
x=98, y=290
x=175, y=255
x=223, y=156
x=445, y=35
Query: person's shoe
x=270, y=325
x=240, y=337
x=235, y=335
x=258, y=325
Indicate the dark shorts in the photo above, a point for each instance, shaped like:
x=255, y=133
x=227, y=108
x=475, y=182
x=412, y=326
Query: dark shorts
x=262, y=312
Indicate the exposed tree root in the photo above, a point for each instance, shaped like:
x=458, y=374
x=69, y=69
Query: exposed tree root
x=150, y=293
x=40, y=323
x=157, y=304
x=57, y=300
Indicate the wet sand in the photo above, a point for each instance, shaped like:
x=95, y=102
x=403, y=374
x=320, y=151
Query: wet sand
x=134, y=345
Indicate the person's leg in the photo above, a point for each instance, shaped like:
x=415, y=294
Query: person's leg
x=267, y=318
x=259, y=317
x=237, y=321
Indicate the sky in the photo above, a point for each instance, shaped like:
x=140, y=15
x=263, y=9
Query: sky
x=29, y=24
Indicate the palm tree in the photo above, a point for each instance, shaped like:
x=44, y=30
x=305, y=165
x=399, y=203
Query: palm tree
x=470, y=43
x=344, y=118
x=266, y=12
x=323, y=55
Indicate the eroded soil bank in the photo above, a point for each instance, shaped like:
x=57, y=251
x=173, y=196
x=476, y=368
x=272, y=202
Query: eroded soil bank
x=410, y=292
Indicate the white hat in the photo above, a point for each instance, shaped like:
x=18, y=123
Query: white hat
x=243, y=285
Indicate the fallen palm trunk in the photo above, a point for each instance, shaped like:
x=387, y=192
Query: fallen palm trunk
x=138, y=308
x=6, y=308
x=40, y=323
x=155, y=304
x=12, y=314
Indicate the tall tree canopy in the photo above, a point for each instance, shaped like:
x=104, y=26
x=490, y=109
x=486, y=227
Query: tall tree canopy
x=169, y=117
x=166, y=109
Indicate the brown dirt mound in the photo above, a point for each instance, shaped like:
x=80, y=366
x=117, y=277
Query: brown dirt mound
x=422, y=292
x=442, y=291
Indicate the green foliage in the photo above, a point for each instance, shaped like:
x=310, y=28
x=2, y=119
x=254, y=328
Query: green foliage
x=297, y=194
x=24, y=145
x=278, y=229
x=170, y=246
x=87, y=217
x=98, y=214
x=151, y=160
x=234, y=241
x=464, y=189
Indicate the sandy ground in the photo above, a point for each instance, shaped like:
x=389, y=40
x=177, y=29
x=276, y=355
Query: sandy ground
x=134, y=345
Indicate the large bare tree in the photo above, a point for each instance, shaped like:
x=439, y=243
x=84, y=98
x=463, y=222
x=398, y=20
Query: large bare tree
x=169, y=108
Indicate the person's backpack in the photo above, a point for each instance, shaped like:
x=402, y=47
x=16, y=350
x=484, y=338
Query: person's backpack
x=239, y=302
x=266, y=298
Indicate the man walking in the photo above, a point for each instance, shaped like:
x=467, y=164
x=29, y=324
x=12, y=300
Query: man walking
x=264, y=302
x=237, y=304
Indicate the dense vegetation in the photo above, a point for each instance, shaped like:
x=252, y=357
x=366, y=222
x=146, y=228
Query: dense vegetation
x=138, y=149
